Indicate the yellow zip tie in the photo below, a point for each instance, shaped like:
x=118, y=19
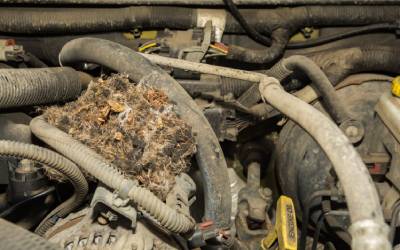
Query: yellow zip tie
x=144, y=47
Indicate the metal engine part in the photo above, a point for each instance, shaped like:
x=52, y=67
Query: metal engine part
x=303, y=169
x=112, y=223
x=79, y=231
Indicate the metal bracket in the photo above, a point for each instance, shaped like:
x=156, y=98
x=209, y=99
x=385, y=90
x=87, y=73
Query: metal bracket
x=111, y=200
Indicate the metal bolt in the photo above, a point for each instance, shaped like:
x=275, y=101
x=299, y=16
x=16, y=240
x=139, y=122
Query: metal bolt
x=102, y=221
x=266, y=192
x=351, y=131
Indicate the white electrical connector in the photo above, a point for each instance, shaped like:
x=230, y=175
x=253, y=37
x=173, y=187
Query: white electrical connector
x=218, y=19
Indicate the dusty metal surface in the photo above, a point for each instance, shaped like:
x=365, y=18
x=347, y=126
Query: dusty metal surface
x=205, y=2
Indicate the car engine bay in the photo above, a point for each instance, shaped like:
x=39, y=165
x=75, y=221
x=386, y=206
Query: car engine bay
x=204, y=124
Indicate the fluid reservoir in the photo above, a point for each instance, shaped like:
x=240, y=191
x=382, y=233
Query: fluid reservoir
x=388, y=108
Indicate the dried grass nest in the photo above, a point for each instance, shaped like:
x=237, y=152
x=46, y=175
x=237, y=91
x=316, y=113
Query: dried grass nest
x=131, y=125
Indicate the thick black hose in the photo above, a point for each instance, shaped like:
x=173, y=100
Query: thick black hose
x=293, y=19
x=339, y=64
x=209, y=154
x=280, y=38
x=34, y=62
x=25, y=87
x=84, y=20
x=335, y=37
x=81, y=20
x=56, y=162
x=320, y=81
x=234, y=86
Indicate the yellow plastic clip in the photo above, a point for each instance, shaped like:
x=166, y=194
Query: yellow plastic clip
x=285, y=229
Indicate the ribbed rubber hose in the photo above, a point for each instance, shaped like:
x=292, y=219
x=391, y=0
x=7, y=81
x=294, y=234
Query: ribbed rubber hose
x=209, y=155
x=51, y=21
x=94, y=164
x=56, y=162
x=26, y=87
x=339, y=64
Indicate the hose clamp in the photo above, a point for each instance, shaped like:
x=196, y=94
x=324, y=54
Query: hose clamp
x=125, y=188
x=369, y=235
x=265, y=83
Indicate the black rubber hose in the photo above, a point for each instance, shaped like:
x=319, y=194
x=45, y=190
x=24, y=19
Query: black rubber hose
x=335, y=37
x=58, y=163
x=209, y=154
x=234, y=86
x=32, y=61
x=84, y=20
x=13, y=237
x=320, y=81
x=253, y=33
x=25, y=87
x=338, y=64
x=280, y=38
x=293, y=19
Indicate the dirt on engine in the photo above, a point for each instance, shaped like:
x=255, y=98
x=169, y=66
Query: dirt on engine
x=133, y=126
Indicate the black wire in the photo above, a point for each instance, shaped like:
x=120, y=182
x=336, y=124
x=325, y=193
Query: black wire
x=253, y=33
x=306, y=215
x=274, y=246
x=15, y=206
x=336, y=37
x=320, y=223
x=318, y=231
x=182, y=243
